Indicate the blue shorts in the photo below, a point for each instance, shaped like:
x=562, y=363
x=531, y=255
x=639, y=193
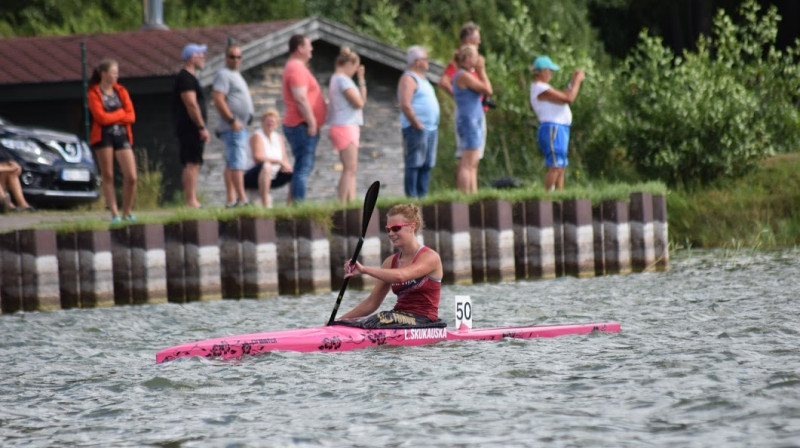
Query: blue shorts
x=236, y=147
x=481, y=149
x=554, y=140
x=470, y=133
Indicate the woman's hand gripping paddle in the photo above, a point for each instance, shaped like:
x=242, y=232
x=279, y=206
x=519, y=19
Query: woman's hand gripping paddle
x=369, y=205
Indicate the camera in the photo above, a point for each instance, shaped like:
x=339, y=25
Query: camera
x=487, y=102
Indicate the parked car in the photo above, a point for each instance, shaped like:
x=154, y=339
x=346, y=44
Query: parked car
x=57, y=167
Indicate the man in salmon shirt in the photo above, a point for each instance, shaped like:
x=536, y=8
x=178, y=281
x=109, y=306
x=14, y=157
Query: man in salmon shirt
x=305, y=112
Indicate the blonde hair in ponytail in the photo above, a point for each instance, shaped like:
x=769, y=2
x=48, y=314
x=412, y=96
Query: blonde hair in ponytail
x=347, y=55
x=465, y=52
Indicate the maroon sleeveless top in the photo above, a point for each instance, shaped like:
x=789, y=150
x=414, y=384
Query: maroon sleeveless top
x=420, y=295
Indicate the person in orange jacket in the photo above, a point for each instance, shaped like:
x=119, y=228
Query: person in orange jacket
x=111, y=136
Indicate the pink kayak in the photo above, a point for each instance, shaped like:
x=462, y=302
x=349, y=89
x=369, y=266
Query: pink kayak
x=337, y=338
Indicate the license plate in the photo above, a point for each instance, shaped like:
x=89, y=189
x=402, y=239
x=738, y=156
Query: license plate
x=74, y=175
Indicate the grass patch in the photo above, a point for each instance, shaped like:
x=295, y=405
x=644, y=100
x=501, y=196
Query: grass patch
x=761, y=210
x=322, y=212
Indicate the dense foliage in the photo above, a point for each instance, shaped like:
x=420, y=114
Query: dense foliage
x=690, y=119
x=709, y=114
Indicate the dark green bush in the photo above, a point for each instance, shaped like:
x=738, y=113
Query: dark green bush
x=693, y=119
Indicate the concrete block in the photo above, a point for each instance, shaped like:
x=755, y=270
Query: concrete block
x=616, y=237
x=578, y=238
x=499, y=240
x=454, y=242
x=660, y=233
x=96, y=270
x=259, y=257
x=148, y=263
x=39, y=265
x=201, y=256
x=642, y=241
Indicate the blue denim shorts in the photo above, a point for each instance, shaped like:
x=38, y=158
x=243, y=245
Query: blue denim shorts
x=481, y=148
x=236, y=147
x=470, y=133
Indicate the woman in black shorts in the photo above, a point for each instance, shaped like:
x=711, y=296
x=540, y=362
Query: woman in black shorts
x=111, y=136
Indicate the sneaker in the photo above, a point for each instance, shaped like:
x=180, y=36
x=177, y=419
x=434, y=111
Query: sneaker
x=242, y=204
x=130, y=218
x=116, y=220
x=231, y=204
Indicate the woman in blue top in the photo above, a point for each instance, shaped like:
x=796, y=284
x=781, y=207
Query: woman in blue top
x=468, y=87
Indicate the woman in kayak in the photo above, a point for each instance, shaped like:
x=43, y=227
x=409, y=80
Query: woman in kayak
x=414, y=273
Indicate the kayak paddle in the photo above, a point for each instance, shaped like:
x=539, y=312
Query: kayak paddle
x=369, y=205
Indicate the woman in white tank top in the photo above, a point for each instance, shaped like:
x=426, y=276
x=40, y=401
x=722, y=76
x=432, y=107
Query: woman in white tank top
x=270, y=167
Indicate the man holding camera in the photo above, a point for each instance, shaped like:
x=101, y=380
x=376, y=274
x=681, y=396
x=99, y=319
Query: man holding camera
x=470, y=35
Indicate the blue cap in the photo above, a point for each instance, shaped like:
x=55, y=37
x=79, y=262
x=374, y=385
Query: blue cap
x=543, y=62
x=191, y=49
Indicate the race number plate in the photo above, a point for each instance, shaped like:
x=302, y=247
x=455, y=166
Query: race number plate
x=75, y=175
x=463, y=312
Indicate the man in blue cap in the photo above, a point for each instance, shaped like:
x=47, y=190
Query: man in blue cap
x=555, y=118
x=189, y=112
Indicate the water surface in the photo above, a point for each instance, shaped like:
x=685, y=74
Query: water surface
x=708, y=356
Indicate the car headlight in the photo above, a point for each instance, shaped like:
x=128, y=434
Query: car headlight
x=87, y=153
x=30, y=151
x=70, y=151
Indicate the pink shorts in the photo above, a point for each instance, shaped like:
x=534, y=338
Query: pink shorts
x=344, y=135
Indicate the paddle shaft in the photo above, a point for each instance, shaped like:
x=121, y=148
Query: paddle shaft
x=345, y=282
x=369, y=205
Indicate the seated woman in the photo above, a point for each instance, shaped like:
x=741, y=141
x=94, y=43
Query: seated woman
x=414, y=273
x=10, y=186
x=271, y=167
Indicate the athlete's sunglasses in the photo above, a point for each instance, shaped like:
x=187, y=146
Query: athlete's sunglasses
x=396, y=228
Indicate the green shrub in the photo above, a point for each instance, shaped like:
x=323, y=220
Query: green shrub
x=710, y=114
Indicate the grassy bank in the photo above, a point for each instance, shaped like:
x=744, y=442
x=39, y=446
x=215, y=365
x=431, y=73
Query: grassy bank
x=761, y=210
x=97, y=218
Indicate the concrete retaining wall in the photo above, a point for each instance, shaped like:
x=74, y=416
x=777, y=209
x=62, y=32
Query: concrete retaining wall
x=488, y=241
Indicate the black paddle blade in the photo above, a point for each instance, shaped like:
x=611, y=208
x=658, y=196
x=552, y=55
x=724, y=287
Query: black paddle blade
x=369, y=206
